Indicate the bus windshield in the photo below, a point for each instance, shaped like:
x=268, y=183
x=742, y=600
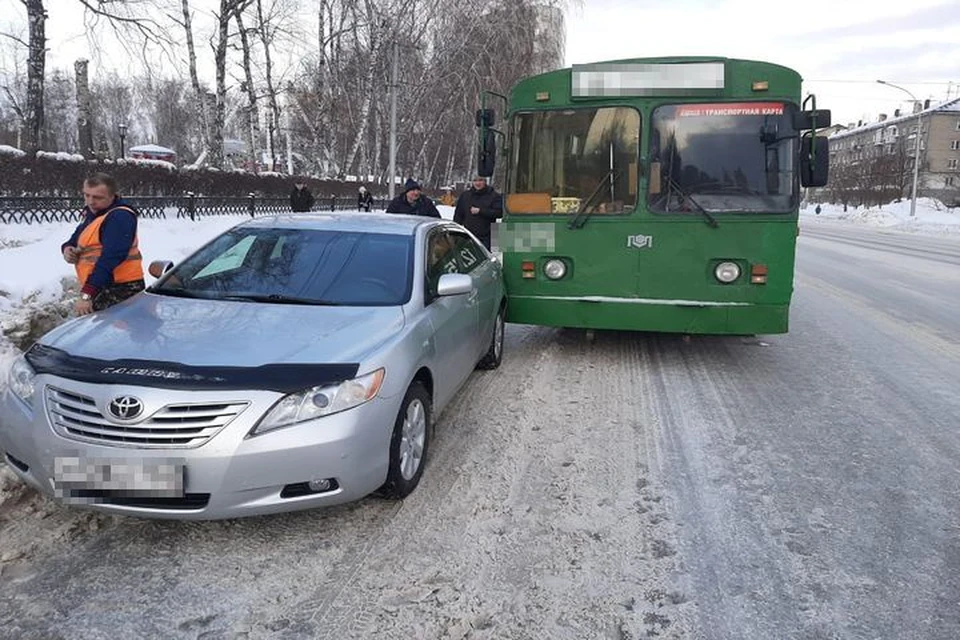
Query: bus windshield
x=575, y=160
x=723, y=157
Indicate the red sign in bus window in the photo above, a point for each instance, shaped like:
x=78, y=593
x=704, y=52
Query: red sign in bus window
x=731, y=109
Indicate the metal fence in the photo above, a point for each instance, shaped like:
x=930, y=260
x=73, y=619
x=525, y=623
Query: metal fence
x=30, y=210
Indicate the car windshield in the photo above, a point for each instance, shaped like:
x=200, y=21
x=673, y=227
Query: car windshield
x=723, y=157
x=297, y=266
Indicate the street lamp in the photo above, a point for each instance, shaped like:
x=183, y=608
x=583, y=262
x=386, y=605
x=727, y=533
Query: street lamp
x=916, y=147
x=123, y=134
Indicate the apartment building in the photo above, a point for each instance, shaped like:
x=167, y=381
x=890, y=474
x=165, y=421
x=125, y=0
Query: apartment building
x=874, y=161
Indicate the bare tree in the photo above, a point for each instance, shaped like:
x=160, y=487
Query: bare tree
x=269, y=24
x=60, y=110
x=253, y=113
x=13, y=84
x=228, y=8
x=199, y=92
x=36, y=61
x=84, y=119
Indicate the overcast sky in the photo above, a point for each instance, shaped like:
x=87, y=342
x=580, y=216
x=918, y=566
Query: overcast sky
x=840, y=47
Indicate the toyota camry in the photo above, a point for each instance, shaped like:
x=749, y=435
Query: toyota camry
x=292, y=362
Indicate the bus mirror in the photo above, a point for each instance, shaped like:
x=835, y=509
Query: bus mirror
x=487, y=159
x=654, y=178
x=812, y=119
x=814, y=161
x=486, y=118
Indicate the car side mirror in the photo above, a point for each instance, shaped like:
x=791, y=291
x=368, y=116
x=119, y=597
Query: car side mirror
x=454, y=284
x=159, y=267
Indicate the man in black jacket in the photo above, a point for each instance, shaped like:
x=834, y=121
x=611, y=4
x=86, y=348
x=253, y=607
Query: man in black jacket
x=300, y=198
x=364, y=200
x=413, y=202
x=477, y=208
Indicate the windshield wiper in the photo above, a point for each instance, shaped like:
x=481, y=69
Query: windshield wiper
x=672, y=186
x=581, y=216
x=278, y=298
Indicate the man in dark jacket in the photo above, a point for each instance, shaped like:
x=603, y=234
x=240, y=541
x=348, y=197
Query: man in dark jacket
x=301, y=199
x=477, y=208
x=364, y=200
x=413, y=202
x=104, y=248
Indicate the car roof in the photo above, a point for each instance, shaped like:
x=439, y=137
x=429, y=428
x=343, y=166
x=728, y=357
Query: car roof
x=351, y=221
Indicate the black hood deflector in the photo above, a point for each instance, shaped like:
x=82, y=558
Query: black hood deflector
x=284, y=378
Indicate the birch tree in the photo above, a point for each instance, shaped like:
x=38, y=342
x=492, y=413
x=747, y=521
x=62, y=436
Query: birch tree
x=228, y=8
x=198, y=91
x=253, y=113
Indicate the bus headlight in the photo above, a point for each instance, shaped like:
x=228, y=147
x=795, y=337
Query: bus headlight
x=554, y=269
x=727, y=272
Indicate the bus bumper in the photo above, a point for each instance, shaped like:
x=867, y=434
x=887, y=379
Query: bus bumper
x=650, y=315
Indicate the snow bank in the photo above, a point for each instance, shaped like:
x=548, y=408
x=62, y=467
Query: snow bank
x=6, y=150
x=932, y=217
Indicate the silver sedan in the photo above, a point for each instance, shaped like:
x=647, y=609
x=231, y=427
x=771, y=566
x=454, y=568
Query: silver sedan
x=290, y=363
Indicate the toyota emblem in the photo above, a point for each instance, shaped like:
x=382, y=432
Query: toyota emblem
x=126, y=407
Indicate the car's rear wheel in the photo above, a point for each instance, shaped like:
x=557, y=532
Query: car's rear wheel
x=494, y=355
x=409, y=444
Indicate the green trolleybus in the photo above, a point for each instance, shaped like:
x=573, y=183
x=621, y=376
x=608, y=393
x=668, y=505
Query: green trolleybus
x=654, y=194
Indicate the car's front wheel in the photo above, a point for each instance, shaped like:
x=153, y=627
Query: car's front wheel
x=494, y=355
x=408, y=446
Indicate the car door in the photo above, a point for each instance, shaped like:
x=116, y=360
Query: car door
x=453, y=318
x=475, y=262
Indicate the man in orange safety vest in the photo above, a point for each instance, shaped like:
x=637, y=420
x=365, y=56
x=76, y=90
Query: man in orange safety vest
x=104, y=248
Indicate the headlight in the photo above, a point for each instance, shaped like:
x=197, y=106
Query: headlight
x=727, y=272
x=21, y=379
x=554, y=269
x=317, y=402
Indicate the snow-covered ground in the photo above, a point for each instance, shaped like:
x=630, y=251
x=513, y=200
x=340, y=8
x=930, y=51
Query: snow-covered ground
x=931, y=216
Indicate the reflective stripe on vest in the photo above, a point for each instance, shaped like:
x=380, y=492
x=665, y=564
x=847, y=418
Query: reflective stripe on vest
x=130, y=270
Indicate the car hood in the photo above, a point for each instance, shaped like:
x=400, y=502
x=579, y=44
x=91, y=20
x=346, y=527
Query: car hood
x=226, y=333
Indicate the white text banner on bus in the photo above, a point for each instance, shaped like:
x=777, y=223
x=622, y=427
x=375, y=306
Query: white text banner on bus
x=635, y=79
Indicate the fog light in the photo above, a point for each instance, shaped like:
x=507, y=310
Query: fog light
x=727, y=272
x=554, y=269
x=319, y=485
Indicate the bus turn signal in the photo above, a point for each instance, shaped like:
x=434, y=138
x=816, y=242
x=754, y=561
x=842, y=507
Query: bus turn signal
x=758, y=274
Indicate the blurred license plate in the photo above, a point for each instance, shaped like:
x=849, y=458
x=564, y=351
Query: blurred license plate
x=155, y=477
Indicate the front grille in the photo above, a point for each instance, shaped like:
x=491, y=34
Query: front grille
x=188, y=502
x=175, y=426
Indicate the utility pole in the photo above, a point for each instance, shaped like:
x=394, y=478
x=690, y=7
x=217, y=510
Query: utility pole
x=916, y=147
x=394, y=86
